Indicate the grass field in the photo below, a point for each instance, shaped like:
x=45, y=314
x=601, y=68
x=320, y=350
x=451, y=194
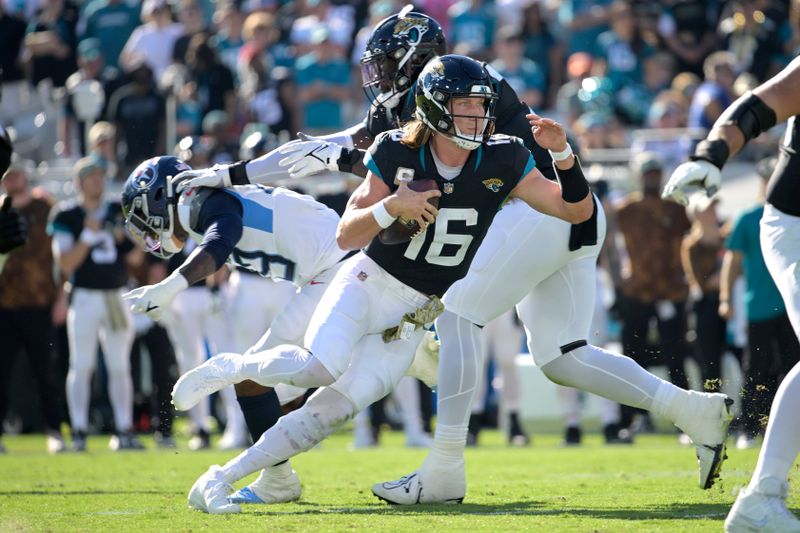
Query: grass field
x=650, y=486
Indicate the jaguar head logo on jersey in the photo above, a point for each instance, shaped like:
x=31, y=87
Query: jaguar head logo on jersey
x=493, y=184
x=451, y=80
x=148, y=204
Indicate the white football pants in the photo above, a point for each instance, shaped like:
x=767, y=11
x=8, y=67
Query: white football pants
x=780, y=243
x=89, y=321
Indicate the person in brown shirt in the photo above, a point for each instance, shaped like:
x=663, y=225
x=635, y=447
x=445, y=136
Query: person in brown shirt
x=27, y=295
x=701, y=255
x=653, y=283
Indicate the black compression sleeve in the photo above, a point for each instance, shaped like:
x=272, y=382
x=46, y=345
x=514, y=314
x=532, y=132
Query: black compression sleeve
x=574, y=186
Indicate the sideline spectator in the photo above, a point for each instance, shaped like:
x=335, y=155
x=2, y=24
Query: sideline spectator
x=27, y=295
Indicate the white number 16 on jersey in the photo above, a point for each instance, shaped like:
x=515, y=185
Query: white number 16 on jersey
x=441, y=238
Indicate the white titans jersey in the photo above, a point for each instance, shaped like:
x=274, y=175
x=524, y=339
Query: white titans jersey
x=286, y=235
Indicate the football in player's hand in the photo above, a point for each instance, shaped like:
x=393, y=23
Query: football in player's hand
x=403, y=230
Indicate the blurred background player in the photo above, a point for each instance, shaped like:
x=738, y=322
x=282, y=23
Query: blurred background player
x=92, y=250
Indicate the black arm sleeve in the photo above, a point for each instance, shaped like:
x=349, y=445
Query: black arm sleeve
x=220, y=222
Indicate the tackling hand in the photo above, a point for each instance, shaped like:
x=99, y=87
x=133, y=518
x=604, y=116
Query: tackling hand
x=310, y=156
x=698, y=174
x=153, y=300
x=216, y=177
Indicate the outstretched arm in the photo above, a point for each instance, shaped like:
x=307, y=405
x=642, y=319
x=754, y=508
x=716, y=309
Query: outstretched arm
x=773, y=101
x=221, y=220
x=338, y=152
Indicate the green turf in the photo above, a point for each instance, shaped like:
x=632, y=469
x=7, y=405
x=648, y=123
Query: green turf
x=650, y=486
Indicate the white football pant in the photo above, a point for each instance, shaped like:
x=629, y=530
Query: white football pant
x=780, y=243
x=89, y=320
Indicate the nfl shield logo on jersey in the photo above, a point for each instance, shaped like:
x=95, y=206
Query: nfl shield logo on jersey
x=448, y=188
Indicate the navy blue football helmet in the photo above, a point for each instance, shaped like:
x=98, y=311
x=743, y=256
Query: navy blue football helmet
x=454, y=76
x=397, y=50
x=149, y=204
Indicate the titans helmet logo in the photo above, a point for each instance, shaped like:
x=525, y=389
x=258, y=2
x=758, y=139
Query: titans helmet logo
x=411, y=27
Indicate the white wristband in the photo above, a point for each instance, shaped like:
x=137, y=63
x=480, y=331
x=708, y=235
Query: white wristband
x=560, y=156
x=382, y=216
x=175, y=283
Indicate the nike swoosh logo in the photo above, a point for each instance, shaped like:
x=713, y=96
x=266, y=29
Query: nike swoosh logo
x=315, y=282
x=150, y=307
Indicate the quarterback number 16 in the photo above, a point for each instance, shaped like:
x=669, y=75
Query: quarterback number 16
x=441, y=238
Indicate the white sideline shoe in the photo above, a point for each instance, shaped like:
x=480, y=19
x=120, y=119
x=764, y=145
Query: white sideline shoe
x=210, y=493
x=705, y=418
x=762, y=509
x=232, y=440
x=276, y=484
x=425, y=485
x=196, y=384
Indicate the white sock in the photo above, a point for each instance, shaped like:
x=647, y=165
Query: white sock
x=782, y=439
x=448, y=444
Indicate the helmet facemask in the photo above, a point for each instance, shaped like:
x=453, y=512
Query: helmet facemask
x=151, y=231
x=398, y=49
x=437, y=113
x=387, y=77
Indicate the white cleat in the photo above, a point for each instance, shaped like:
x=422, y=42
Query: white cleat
x=425, y=485
x=762, y=509
x=210, y=493
x=208, y=378
x=276, y=484
x=705, y=419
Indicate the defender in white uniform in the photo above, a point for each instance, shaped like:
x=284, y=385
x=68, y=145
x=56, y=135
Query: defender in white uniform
x=272, y=231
